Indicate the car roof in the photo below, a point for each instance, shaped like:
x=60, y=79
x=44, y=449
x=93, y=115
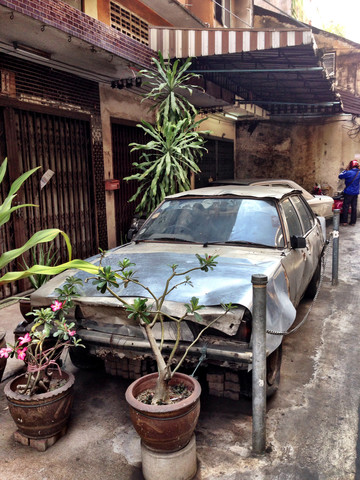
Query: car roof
x=256, y=191
x=256, y=181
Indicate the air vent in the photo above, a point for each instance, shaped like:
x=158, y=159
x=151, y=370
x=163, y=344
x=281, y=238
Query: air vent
x=128, y=23
x=328, y=61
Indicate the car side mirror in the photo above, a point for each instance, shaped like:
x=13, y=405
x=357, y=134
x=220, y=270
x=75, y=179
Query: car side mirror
x=297, y=242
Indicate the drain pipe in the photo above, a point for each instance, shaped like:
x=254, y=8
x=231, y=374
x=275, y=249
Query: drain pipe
x=335, y=256
x=259, y=364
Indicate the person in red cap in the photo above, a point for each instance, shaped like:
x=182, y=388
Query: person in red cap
x=352, y=180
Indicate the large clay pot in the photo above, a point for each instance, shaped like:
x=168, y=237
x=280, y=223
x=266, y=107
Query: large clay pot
x=2, y=360
x=41, y=415
x=164, y=428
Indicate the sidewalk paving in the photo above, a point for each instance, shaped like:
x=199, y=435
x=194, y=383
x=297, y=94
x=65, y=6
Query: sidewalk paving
x=312, y=422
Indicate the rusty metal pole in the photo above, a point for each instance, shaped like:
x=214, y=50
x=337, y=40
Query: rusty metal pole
x=335, y=252
x=259, y=364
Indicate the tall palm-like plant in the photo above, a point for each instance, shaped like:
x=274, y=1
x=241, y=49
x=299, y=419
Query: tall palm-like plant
x=175, y=144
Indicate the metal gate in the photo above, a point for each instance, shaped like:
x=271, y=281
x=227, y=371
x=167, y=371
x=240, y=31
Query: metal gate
x=122, y=135
x=217, y=163
x=61, y=146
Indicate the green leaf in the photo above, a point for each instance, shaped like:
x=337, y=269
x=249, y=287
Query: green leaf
x=42, y=269
x=42, y=236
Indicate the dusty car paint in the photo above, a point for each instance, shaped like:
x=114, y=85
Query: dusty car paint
x=230, y=281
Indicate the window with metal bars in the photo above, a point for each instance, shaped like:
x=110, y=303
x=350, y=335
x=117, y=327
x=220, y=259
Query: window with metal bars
x=128, y=23
x=222, y=12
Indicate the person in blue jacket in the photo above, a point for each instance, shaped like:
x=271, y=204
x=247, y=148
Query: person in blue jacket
x=352, y=180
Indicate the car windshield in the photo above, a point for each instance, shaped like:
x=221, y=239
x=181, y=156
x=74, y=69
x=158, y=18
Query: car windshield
x=215, y=220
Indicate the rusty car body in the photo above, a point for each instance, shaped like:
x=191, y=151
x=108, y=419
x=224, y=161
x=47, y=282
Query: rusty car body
x=253, y=230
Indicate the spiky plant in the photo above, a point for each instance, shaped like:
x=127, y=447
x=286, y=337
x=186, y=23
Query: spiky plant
x=176, y=144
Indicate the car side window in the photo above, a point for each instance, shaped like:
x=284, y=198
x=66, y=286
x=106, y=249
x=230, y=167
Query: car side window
x=292, y=218
x=306, y=216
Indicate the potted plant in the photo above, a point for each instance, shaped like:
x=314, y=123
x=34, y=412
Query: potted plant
x=41, y=382
x=164, y=406
x=40, y=400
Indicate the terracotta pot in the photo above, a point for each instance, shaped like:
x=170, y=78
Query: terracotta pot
x=41, y=415
x=2, y=360
x=164, y=428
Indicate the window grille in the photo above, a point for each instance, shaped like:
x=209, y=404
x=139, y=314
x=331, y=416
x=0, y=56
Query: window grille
x=128, y=23
x=222, y=12
x=329, y=63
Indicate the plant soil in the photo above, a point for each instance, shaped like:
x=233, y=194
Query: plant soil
x=177, y=393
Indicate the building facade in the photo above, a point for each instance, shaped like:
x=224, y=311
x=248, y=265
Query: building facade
x=71, y=96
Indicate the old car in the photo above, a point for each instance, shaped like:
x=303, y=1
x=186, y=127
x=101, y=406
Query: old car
x=253, y=230
x=321, y=205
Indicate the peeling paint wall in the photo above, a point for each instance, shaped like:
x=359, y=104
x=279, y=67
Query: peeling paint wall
x=284, y=5
x=307, y=153
x=347, y=60
x=119, y=104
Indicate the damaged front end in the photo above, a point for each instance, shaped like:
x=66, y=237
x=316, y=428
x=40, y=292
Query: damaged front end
x=106, y=329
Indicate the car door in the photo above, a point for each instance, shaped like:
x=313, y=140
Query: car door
x=313, y=235
x=300, y=263
x=294, y=260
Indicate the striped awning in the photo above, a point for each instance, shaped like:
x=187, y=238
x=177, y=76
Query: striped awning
x=279, y=70
x=183, y=43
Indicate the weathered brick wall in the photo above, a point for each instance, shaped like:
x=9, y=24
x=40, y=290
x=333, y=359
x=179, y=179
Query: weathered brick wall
x=76, y=23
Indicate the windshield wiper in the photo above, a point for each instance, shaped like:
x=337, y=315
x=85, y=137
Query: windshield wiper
x=155, y=239
x=236, y=242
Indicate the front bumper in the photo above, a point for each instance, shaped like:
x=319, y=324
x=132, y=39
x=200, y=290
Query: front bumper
x=100, y=343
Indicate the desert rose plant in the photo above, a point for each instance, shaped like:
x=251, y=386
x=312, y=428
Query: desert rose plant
x=148, y=311
x=49, y=336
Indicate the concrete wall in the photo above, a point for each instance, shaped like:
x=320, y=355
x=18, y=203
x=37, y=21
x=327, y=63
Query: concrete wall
x=219, y=127
x=347, y=60
x=284, y=5
x=307, y=153
x=125, y=105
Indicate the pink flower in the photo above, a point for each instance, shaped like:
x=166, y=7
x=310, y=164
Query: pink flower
x=72, y=333
x=56, y=306
x=4, y=352
x=21, y=354
x=25, y=339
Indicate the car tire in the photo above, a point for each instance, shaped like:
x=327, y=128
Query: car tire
x=84, y=360
x=313, y=286
x=273, y=365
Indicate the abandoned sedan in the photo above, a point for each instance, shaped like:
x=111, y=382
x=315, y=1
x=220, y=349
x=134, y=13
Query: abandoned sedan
x=253, y=230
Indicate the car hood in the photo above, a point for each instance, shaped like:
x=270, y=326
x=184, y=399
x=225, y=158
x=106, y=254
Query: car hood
x=229, y=281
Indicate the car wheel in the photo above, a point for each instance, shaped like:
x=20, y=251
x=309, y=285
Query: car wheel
x=273, y=364
x=84, y=360
x=313, y=286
